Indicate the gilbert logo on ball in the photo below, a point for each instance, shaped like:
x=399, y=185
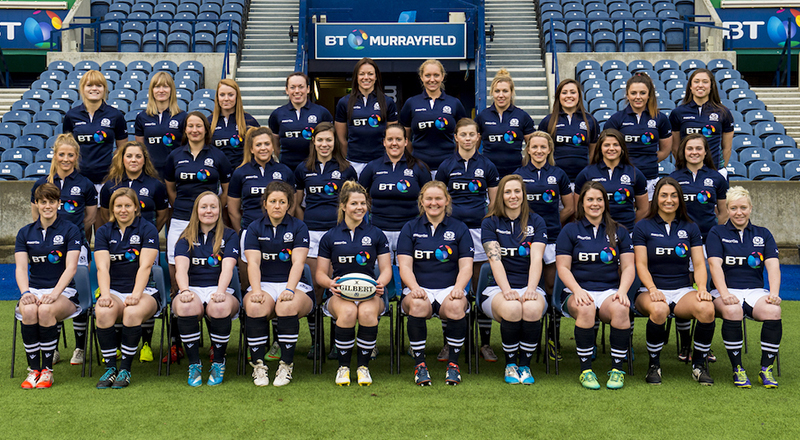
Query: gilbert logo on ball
x=357, y=287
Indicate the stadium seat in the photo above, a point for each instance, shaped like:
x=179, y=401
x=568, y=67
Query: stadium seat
x=70, y=84
x=750, y=155
x=5, y=143
x=672, y=74
x=75, y=75
x=59, y=105
x=222, y=41
x=45, y=84
x=154, y=42
x=719, y=64
x=109, y=36
x=36, y=170
x=573, y=26
x=604, y=115
x=41, y=129
x=558, y=38
x=137, y=27
x=762, y=169
x=723, y=74
x=662, y=65
x=691, y=65
x=68, y=96
x=44, y=155
x=786, y=155
x=604, y=41
x=613, y=75
x=179, y=42
x=204, y=93
x=776, y=141
x=742, y=128
x=11, y=171
x=737, y=95
x=135, y=75
x=791, y=171
x=158, y=27
x=675, y=84
x=18, y=117
x=187, y=7
x=625, y=25
x=600, y=26
x=140, y=65
x=618, y=84
x=596, y=84
x=727, y=103
x=22, y=156
x=63, y=66
x=618, y=6
x=665, y=168
x=547, y=7
x=127, y=95
x=666, y=104
x=201, y=104
x=766, y=128
x=87, y=65
x=736, y=169
x=601, y=17
x=663, y=6
x=590, y=74
x=741, y=142
x=54, y=75
x=684, y=7
x=130, y=42
x=640, y=65
x=746, y=105
x=123, y=8
x=120, y=105
x=186, y=84
x=601, y=104
x=38, y=95
x=30, y=142
x=614, y=65
x=753, y=117
x=729, y=84
x=183, y=95
x=165, y=7
x=641, y=6
x=673, y=32
x=10, y=130
x=139, y=104
x=652, y=41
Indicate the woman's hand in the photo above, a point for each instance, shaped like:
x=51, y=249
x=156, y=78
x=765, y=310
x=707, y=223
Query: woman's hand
x=418, y=293
x=773, y=298
x=286, y=295
x=511, y=295
x=257, y=297
x=28, y=299
x=105, y=301
x=729, y=299
x=186, y=296
x=132, y=300
x=379, y=289
x=703, y=295
x=334, y=287
x=456, y=294
x=218, y=297
x=622, y=297
x=582, y=298
x=49, y=299
x=657, y=295
x=530, y=294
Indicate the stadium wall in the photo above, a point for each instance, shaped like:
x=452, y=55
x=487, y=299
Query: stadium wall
x=776, y=205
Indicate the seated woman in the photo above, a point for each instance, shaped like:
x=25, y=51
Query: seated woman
x=354, y=246
x=514, y=238
x=435, y=257
x=738, y=253
x=49, y=247
x=280, y=243
x=662, y=242
x=127, y=247
x=594, y=260
x=205, y=258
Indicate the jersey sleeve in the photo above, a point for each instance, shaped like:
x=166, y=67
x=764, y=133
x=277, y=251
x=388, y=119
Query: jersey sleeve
x=639, y=234
x=231, y=244
x=614, y=121
x=235, y=184
x=105, y=195
x=299, y=178
x=714, y=242
x=225, y=169
x=564, y=243
x=182, y=248
x=563, y=183
x=443, y=173
x=149, y=235
x=625, y=243
x=539, y=229
x=160, y=198
x=640, y=185
x=301, y=239
x=350, y=174
x=487, y=230
x=543, y=124
x=727, y=120
x=695, y=237
x=67, y=126
x=581, y=179
x=528, y=126
x=405, y=115
x=366, y=176
x=250, y=121
x=461, y=112
x=101, y=238
x=674, y=122
x=423, y=175
x=770, y=247
x=138, y=125
x=37, y=184
x=383, y=243
x=91, y=195
x=169, y=167
x=722, y=188
x=664, y=127
x=391, y=110
x=290, y=178
x=74, y=238
x=492, y=175
x=19, y=243
x=120, y=127
x=466, y=247
x=325, y=250
x=405, y=244
x=341, y=110
x=251, y=238
x=273, y=123
x=595, y=126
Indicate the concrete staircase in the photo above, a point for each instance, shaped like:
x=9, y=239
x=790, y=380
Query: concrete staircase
x=267, y=56
x=516, y=47
x=784, y=103
x=8, y=97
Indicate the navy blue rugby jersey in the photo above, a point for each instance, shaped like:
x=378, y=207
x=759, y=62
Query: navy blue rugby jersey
x=468, y=182
x=226, y=137
x=162, y=133
x=248, y=183
x=394, y=190
x=572, y=141
x=701, y=193
x=502, y=137
x=435, y=253
x=365, y=129
x=194, y=175
x=642, y=136
x=668, y=251
x=622, y=187
x=545, y=187
x=711, y=122
x=77, y=192
x=515, y=251
x=151, y=192
x=595, y=263
x=125, y=250
x=432, y=129
x=353, y=251
x=321, y=186
x=47, y=250
x=276, y=245
x=97, y=136
x=205, y=266
x=295, y=131
x=742, y=253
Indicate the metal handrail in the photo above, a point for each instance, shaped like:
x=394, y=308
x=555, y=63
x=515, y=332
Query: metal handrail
x=5, y=75
x=301, y=59
x=779, y=73
x=480, y=57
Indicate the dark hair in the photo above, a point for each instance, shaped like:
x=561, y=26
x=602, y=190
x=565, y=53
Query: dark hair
x=47, y=191
x=410, y=159
x=377, y=89
x=680, y=214
x=337, y=154
x=597, y=157
x=279, y=186
x=680, y=156
x=300, y=74
x=713, y=94
x=249, y=139
x=498, y=206
x=611, y=225
x=551, y=127
x=185, y=140
x=652, y=101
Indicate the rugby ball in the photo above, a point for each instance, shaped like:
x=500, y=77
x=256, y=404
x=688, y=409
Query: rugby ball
x=357, y=287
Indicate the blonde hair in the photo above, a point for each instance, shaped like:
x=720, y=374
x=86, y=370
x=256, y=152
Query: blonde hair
x=249, y=139
x=117, y=169
x=193, y=228
x=93, y=77
x=503, y=76
x=64, y=139
x=349, y=188
x=738, y=192
x=436, y=63
x=162, y=79
x=238, y=110
x=526, y=158
x=123, y=192
x=435, y=184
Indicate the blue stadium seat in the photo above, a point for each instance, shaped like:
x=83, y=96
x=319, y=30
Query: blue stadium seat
x=139, y=104
x=675, y=84
x=135, y=75
x=186, y=84
x=666, y=104
x=596, y=84
x=237, y=8
x=723, y=74
x=776, y=141
x=601, y=104
x=179, y=42
x=210, y=7
x=641, y=6
x=560, y=39
x=620, y=94
x=603, y=115
x=614, y=65
x=43, y=155
x=204, y=93
x=31, y=142
x=222, y=41
x=573, y=26
x=753, y=117
x=45, y=84
x=18, y=117
x=547, y=7
x=130, y=42
x=38, y=95
x=142, y=7
x=140, y=65
x=741, y=142
x=70, y=84
x=640, y=65
x=11, y=171
x=64, y=66
x=11, y=130
x=165, y=66
x=665, y=168
x=154, y=42
x=662, y=65
x=737, y=117
x=750, y=155
x=604, y=41
x=719, y=64
x=112, y=76
x=575, y=15
x=193, y=65
x=128, y=95
x=730, y=84
x=786, y=155
x=36, y=170
x=41, y=129
x=130, y=84
x=618, y=6
x=201, y=104
x=187, y=7
x=762, y=169
x=87, y=65
x=613, y=75
x=728, y=103
x=120, y=104
x=737, y=95
x=22, y=156
x=54, y=75
x=68, y=96
x=652, y=41
x=185, y=16
x=123, y=8
x=691, y=65
x=596, y=16
x=49, y=117
x=746, y=105
x=183, y=95
x=158, y=27
x=736, y=169
x=623, y=25
x=188, y=74
x=684, y=7
x=57, y=105
x=791, y=171
x=73, y=76
x=163, y=16
x=5, y=143
x=131, y=115
x=137, y=27
x=672, y=74
x=586, y=65
x=165, y=7
x=663, y=6
x=645, y=15
x=181, y=27
x=766, y=128
x=742, y=128
x=600, y=26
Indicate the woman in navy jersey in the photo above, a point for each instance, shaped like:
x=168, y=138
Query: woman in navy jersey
x=647, y=131
x=594, y=259
x=318, y=181
x=132, y=168
x=393, y=183
x=229, y=121
x=503, y=126
x=514, y=239
x=96, y=126
x=572, y=128
x=205, y=258
x=79, y=207
x=664, y=242
x=430, y=118
x=362, y=115
x=471, y=179
x=280, y=243
x=159, y=127
x=354, y=246
x=702, y=112
x=46, y=255
x=435, y=258
x=125, y=249
x=738, y=254
x=295, y=122
x=625, y=185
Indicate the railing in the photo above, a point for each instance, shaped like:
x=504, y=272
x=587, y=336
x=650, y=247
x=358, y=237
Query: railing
x=96, y=22
x=301, y=59
x=480, y=56
x=784, y=77
x=5, y=75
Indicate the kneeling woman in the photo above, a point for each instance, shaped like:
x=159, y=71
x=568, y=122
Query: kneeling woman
x=280, y=242
x=662, y=242
x=126, y=246
x=594, y=260
x=205, y=257
x=434, y=253
x=50, y=248
x=514, y=238
x=738, y=253
x=353, y=246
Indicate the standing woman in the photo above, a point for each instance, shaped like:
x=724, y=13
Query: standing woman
x=229, y=121
x=280, y=242
x=514, y=239
x=647, y=131
x=126, y=247
x=79, y=207
x=503, y=126
x=430, y=118
x=435, y=258
x=159, y=127
x=46, y=255
x=662, y=242
x=394, y=182
x=738, y=253
x=471, y=179
x=702, y=112
x=594, y=259
x=625, y=184
x=354, y=246
x=572, y=128
x=205, y=258
x=295, y=122
x=363, y=115
x=96, y=126
x=319, y=179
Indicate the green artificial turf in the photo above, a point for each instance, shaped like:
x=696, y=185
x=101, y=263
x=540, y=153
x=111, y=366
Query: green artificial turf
x=483, y=406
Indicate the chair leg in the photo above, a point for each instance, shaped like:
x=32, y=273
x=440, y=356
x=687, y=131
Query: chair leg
x=557, y=339
x=87, y=360
x=391, y=341
x=545, y=338
x=602, y=334
x=166, y=327
x=778, y=362
x=61, y=332
x=85, y=343
x=744, y=332
x=477, y=356
x=14, y=347
x=400, y=338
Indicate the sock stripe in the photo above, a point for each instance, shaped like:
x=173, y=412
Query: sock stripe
x=262, y=340
x=733, y=345
x=220, y=339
